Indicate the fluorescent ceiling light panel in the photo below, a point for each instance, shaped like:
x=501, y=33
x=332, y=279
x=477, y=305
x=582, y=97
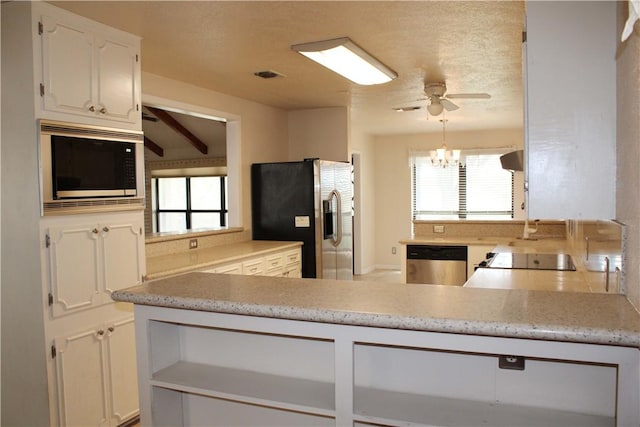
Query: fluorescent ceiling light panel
x=347, y=59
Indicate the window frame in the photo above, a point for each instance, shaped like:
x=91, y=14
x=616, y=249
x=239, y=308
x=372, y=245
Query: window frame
x=188, y=211
x=462, y=213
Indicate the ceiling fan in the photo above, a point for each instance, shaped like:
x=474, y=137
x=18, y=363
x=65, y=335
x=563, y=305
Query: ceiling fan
x=439, y=100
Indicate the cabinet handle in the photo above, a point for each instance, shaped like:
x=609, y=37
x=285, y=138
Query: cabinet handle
x=92, y=109
x=95, y=231
x=103, y=110
x=105, y=229
x=606, y=272
x=100, y=332
x=110, y=328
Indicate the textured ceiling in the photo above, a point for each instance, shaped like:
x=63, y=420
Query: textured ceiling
x=472, y=46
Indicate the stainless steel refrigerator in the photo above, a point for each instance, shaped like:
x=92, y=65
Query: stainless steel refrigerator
x=308, y=201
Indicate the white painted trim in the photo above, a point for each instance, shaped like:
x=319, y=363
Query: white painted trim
x=357, y=213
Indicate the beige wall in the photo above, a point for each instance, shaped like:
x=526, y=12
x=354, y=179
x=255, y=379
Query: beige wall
x=263, y=129
x=393, y=181
x=321, y=133
x=364, y=197
x=628, y=154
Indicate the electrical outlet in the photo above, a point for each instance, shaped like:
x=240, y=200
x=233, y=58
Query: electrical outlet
x=438, y=228
x=393, y=250
x=511, y=362
x=193, y=243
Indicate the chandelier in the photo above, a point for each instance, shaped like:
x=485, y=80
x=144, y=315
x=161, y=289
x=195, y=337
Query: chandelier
x=442, y=158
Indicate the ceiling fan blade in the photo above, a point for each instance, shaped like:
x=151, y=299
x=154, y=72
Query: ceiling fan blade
x=448, y=105
x=408, y=108
x=469, y=96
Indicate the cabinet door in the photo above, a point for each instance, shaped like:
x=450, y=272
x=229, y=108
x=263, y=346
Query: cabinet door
x=121, y=255
x=123, y=379
x=74, y=272
x=79, y=375
x=117, y=80
x=67, y=67
x=571, y=144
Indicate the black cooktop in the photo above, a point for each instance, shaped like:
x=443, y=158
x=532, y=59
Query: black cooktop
x=561, y=262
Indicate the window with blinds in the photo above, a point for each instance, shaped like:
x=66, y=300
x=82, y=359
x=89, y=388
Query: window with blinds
x=478, y=189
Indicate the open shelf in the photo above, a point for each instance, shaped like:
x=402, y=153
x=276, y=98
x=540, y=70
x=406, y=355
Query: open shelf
x=277, y=391
x=405, y=409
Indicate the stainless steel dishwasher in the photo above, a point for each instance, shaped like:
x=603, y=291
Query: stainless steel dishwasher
x=437, y=265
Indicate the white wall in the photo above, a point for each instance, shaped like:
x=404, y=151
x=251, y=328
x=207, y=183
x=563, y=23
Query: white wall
x=24, y=377
x=393, y=181
x=263, y=129
x=319, y=133
x=628, y=154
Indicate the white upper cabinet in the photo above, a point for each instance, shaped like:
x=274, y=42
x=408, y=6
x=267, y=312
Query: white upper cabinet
x=88, y=73
x=570, y=121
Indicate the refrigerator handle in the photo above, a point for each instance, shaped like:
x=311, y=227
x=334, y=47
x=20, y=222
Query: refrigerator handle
x=338, y=236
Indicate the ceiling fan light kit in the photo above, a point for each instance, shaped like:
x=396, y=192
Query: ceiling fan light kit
x=346, y=58
x=439, y=100
x=435, y=107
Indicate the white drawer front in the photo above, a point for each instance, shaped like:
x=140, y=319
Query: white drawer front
x=252, y=267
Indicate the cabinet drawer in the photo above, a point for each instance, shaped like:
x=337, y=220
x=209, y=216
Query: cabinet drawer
x=292, y=257
x=251, y=267
x=275, y=272
x=293, y=270
x=230, y=269
x=274, y=262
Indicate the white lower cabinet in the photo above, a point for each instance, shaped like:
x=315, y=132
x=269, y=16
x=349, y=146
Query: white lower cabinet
x=87, y=261
x=95, y=375
x=279, y=264
x=91, y=369
x=475, y=255
x=218, y=369
x=249, y=379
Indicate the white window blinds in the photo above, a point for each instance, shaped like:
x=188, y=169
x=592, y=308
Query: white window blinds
x=479, y=189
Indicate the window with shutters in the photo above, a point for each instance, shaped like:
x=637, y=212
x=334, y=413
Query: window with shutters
x=477, y=189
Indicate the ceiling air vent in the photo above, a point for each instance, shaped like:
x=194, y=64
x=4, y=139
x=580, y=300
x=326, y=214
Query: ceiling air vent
x=267, y=74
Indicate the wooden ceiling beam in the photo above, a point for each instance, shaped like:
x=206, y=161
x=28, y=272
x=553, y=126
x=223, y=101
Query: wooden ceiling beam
x=155, y=148
x=175, y=125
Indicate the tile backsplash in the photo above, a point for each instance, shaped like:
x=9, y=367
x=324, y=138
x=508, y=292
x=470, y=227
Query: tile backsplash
x=545, y=229
x=157, y=245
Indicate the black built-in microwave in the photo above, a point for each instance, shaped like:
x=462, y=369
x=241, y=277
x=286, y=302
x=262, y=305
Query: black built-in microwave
x=88, y=163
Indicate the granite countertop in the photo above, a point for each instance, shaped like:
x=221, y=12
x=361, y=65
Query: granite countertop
x=556, y=316
x=543, y=280
x=165, y=265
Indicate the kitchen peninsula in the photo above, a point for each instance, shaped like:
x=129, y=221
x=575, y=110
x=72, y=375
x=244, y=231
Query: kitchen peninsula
x=222, y=348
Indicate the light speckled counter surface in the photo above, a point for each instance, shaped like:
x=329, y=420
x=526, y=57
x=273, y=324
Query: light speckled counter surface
x=191, y=260
x=539, y=280
x=556, y=316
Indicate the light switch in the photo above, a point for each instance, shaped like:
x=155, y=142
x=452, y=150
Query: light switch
x=302, y=222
